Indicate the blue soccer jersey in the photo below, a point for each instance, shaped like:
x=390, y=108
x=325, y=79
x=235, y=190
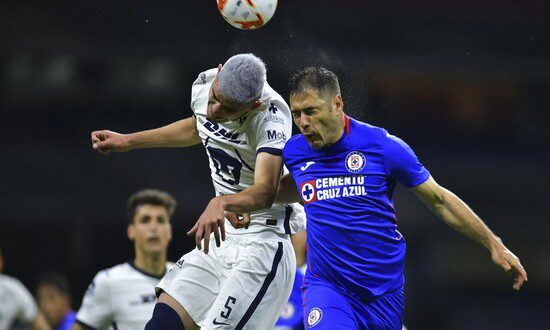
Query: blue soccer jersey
x=347, y=191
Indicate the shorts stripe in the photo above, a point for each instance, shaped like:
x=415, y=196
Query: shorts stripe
x=269, y=278
x=288, y=213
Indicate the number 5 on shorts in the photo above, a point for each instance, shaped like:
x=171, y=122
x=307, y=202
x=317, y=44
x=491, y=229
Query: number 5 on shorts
x=230, y=300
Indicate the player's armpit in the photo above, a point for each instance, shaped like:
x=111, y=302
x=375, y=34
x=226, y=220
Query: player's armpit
x=287, y=192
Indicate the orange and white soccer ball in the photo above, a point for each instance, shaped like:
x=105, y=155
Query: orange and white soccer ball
x=247, y=14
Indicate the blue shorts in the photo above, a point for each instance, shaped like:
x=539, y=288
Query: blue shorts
x=326, y=307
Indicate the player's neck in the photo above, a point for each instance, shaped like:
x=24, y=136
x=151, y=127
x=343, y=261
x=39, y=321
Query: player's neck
x=339, y=131
x=151, y=264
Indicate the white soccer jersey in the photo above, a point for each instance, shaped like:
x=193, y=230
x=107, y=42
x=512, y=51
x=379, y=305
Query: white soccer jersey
x=16, y=303
x=121, y=297
x=232, y=148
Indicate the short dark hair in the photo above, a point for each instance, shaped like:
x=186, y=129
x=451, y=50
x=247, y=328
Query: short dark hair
x=57, y=280
x=152, y=197
x=317, y=78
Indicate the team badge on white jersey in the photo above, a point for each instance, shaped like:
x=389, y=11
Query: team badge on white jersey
x=355, y=161
x=314, y=317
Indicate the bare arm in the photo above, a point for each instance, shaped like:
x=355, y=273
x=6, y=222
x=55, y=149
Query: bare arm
x=460, y=217
x=39, y=322
x=77, y=326
x=287, y=193
x=260, y=195
x=182, y=133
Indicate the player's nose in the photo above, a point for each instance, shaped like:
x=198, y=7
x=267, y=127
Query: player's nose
x=304, y=121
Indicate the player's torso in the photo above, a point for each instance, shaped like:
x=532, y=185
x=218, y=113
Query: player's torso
x=133, y=297
x=10, y=306
x=347, y=196
x=231, y=148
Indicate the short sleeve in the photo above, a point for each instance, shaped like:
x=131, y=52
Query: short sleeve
x=201, y=88
x=26, y=304
x=273, y=128
x=96, y=310
x=402, y=164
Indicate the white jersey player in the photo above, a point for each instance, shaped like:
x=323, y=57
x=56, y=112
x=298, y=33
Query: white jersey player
x=17, y=305
x=243, y=125
x=123, y=297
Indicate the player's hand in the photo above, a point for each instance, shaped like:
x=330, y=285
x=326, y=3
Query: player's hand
x=106, y=141
x=238, y=220
x=510, y=263
x=212, y=220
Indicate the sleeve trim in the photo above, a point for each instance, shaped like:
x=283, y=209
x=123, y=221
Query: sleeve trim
x=273, y=151
x=84, y=325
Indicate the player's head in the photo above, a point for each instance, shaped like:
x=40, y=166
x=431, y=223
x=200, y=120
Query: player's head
x=149, y=213
x=53, y=295
x=237, y=88
x=316, y=105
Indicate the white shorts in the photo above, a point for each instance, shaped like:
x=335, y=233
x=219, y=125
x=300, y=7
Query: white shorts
x=243, y=284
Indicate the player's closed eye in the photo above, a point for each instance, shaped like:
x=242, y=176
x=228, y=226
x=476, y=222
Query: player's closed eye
x=145, y=219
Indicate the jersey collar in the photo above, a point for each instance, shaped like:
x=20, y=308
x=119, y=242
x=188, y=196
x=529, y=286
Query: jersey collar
x=133, y=265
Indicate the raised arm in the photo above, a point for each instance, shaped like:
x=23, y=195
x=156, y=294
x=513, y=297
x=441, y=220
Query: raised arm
x=260, y=195
x=182, y=133
x=460, y=217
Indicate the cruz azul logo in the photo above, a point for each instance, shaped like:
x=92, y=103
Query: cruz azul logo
x=355, y=161
x=332, y=187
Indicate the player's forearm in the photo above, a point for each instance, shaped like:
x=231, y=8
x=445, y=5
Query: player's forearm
x=40, y=323
x=463, y=219
x=254, y=198
x=181, y=133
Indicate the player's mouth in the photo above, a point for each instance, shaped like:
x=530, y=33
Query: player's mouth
x=154, y=240
x=309, y=136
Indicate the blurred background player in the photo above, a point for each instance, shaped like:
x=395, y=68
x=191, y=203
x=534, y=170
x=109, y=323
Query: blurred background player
x=17, y=304
x=243, y=124
x=53, y=294
x=345, y=171
x=124, y=296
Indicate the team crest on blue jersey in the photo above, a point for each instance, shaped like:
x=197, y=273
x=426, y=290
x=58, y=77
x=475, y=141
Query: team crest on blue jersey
x=307, y=190
x=355, y=161
x=314, y=317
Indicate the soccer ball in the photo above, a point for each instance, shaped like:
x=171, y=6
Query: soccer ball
x=247, y=14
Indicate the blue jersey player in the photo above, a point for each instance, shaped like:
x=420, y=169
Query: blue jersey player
x=344, y=171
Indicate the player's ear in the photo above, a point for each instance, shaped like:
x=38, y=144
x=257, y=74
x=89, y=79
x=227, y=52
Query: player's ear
x=256, y=104
x=337, y=103
x=131, y=231
x=169, y=232
x=219, y=68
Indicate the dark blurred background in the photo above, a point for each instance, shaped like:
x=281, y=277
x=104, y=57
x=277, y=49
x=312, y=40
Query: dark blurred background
x=465, y=83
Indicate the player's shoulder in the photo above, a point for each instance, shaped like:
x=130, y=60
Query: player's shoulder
x=274, y=108
x=114, y=273
x=296, y=145
x=11, y=283
x=366, y=130
x=205, y=77
x=296, y=141
x=368, y=135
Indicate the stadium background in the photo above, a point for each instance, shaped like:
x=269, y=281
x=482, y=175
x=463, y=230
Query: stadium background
x=465, y=83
